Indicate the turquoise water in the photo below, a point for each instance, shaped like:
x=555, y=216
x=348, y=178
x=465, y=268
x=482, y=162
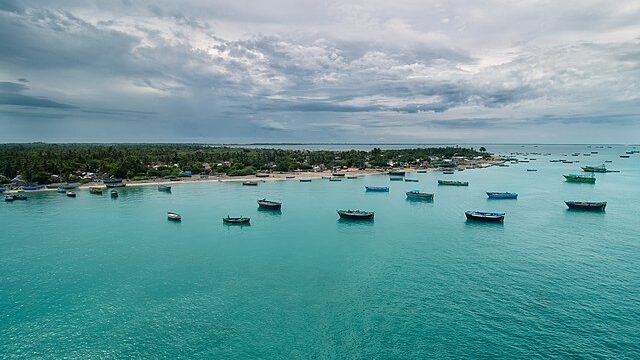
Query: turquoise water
x=95, y=277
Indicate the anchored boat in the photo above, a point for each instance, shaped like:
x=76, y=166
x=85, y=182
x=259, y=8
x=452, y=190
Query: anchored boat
x=453, y=183
x=411, y=180
x=484, y=216
x=587, y=205
x=305, y=180
x=250, y=183
x=173, y=216
x=377, y=188
x=396, y=173
x=236, y=220
x=114, y=193
x=575, y=178
x=71, y=194
x=356, y=214
x=269, y=205
x=417, y=195
x=113, y=182
x=165, y=188
x=95, y=190
x=501, y=195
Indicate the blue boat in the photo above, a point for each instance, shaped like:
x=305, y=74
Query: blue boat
x=417, y=195
x=377, y=188
x=501, y=195
x=33, y=187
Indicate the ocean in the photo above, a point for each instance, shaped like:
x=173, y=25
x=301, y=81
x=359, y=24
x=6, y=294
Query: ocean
x=95, y=277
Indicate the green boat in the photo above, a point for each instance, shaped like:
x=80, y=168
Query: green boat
x=453, y=183
x=580, y=178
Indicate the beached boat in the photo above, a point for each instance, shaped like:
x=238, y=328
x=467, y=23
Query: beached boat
x=269, y=205
x=114, y=193
x=33, y=187
x=396, y=178
x=417, y=195
x=484, y=216
x=338, y=174
x=453, y=183
x=95, y=190
x=586, y=205
x=326, y=177
x=575, y=178
x=250, y=183
x=356, y=214
x=69, y=186
x=503, y=165
x=173, y=216
x=236, y=220
x=52, y=186
x=71, y=194
x=411, y=180
x=305, y=180
x=113, y=182
x=448, y=172
x=501, y=195
x=377, y=188
x=290, y=177
x=335, y=179
x=165, y=188
x=262, y=175
x=396, y=173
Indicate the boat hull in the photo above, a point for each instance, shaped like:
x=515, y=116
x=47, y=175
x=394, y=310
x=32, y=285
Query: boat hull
x=453, y=183
x=483, y=216
x=377, y=188
x=236, y=221
x=353, y=215
x=586, y=205
x=269, y=205
x=505, y=195
x=419, y=196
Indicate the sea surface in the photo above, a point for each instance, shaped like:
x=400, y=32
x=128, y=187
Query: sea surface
x=95, y=277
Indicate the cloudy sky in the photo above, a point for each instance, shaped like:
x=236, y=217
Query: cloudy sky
x=320, y=71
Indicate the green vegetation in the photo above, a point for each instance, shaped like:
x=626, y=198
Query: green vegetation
x=38, y=162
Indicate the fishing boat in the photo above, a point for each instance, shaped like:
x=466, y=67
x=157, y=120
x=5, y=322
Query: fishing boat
x=396, y=173
x=377, y=188
x=352, y=177
x=524, y=161
x=608, y=161
x=411, y=180
x=624, y=156
x=595, y=169
x=586, y=205
x=417, y=195
x=165, y=188
x=484, y=216
x=95, y=190
x=9, y=198
x=532, y=169
x=453, y=183
x=269, y=205
x=448, y=172
x=173, y=216
x=114, y=193
x=290, y=177
x=338, y=174
x=567, y=162
x=113, y=182
x=335, y=179
x=262, y=175
x=421, y=171
x=396, y=178
x=326, y=177
x=355, y=214
x=575, y=154
x=33, y=187
x=305, y=180
x=236, y=220
x=586, y=154
x=250, y=183
x=69, y=186
x=71, y=194
x=501, y=195
x=594, y=152
x=576, y=178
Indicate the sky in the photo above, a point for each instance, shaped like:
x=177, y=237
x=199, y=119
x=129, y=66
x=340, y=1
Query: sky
x=228, y=71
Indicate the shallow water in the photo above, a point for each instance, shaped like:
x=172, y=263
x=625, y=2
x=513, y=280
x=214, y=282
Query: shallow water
x=95, y=277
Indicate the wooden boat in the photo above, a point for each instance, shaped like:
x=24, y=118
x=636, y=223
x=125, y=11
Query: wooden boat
x=95, y=190
x=290, y=177
x=338, y=174
x=377, y=188
x=335, y=179
x=61, y=190
x=567, y=162
x=352, y=177
x=532, y=169
x=594, y=152
x=421, y=171
x=503, y=165
x=586, y=205
x=71, y=194
x=484, y=216
x=575, y=178
x=586, y=154
x=269, y=205
x=305, y=180
x=69, y=186
x=33, y=187
x=262, y=175
x=326, y=177
x=524, y=161
x=624, y=156
x=449, y=172
x=501, y=195
x=173, y=216
x=165, y=188
x=411, y=180
x=250, y=183
x=19, y=196
x=113, y=183
x=396, y=173
x=9, y=198
x=608, y=161
x=417, y=195
x=52, y=186
x=396, y=179
x=356, y=214
x=236, y=220
x=595, y=169
x=114, y=193
x=453, y=183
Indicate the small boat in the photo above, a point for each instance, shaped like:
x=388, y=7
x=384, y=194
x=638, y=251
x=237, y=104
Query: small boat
x=524, y=161
x=305, y=180
x=411, y=180
x=608, y=161
x=69, y=186
x=61, y=190
x=262, y=175
x=338, y=174
x=587, y=205
x=567, y=162
x=269, y=205
x=9, y=198
x=453, y=183
x=595, y=169
x=501, y=195
x=33, y=187
x=396, y=173
x=532, y=169
x=449, y=172
x=503, y=165
x=95, y=190
x=165, y=188
x=356, y=214
x=460, y=169
x=575, y=178
x=52, y=186
x=484, y=216
x=71, y=194
x=335, y=179
x=352, y=177
x=113, y=182
x=173, y=216
x=114, y=193
x=629, y=152
x=624, y=156
x=250, y=183
x=594, y=152
x=377, y=188
x=586, y=154
x=290, y=177
x=236, y=220
x=417, y=195
x=575, y=154
x=326, y=177
x=19, y=196
x=421, y=171
x=395, y=178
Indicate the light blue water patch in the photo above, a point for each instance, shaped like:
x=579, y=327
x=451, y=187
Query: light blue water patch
x=95, y=277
